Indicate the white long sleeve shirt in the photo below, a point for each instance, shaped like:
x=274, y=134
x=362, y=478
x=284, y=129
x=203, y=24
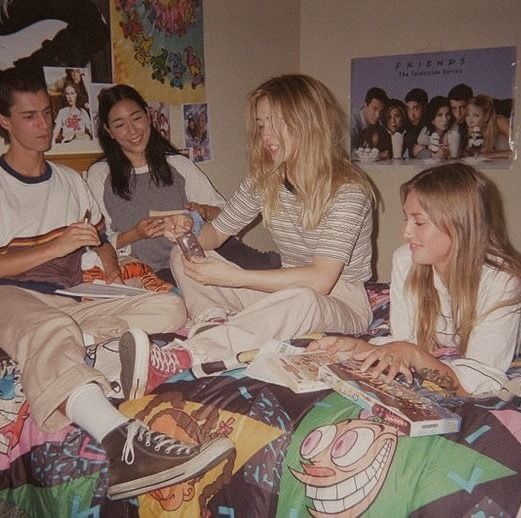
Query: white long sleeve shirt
x=493, y=340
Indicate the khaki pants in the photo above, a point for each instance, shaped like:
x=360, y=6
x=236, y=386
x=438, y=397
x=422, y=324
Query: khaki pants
x=43, y=333
x=260, y=316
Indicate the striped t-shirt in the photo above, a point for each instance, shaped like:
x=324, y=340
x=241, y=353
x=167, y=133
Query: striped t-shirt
x=344, y=233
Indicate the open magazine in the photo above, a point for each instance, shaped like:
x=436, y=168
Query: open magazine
x=391, y=402
x=284, y=364
x=98, y=289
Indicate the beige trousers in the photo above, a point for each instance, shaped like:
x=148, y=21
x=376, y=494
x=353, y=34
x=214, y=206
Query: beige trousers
x=43, y=333
x=259, y=316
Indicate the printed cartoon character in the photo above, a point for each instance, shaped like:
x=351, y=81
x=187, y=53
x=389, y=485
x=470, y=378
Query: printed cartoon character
x=142, y=50
x=167, y=413
x=159, y=66
x=178, y=69
x=131, y=27
x=194, y=65
x=345, y=465
x=15, y=409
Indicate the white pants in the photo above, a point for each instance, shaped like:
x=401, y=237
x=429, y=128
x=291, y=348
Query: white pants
x=259, y=316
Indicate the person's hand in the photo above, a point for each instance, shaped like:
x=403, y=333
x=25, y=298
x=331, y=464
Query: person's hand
x=334, y=344
x=114, y=276
x=442, y=153
x=148, y=228
x=210, y=271
x=76, y=236
x=207, y=212
x=175, y=226
x=391, y=360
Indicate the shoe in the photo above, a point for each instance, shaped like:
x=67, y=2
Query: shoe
x=144, y=365
x=141, y=460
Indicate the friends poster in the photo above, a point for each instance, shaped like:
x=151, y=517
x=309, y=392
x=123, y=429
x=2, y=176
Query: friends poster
x=453, y=105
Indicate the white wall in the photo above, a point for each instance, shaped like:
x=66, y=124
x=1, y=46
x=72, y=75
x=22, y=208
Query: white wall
x=246, y=42
x=334, y=31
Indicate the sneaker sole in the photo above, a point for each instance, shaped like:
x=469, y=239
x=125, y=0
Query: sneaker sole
x=220, y=449
x=137, y=341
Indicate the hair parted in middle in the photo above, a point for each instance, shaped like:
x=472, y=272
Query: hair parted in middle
x=157, y=149
x=466, y=205
x=486, y=104
x=318, y=162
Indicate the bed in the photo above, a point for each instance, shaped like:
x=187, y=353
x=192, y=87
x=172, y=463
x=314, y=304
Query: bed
x=314, y=454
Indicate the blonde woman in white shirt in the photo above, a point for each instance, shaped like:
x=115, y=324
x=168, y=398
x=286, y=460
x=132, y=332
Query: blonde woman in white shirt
x=455, y=287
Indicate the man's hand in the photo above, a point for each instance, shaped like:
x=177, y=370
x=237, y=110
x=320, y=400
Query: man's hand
x=74, y=237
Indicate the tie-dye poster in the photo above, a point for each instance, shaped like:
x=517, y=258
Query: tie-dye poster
x=158, y=48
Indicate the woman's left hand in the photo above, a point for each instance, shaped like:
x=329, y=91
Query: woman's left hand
x=211, y=271
x=391, y=360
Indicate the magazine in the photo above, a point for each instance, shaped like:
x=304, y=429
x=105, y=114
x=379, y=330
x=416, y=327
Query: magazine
x=164, y=213
x=100, y=290
x=284, y=364
x=390, y=401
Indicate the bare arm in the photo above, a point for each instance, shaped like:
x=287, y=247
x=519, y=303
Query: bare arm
x=109, y=260
x=393, y=359
x=321, y=275
x=146, y=228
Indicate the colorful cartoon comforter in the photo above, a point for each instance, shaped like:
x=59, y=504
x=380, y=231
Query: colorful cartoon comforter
x=314, y=454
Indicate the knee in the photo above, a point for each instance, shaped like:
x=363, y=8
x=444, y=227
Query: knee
x=169, y=312
x=303, y=298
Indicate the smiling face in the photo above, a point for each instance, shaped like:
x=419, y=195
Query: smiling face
x=272, y=131
x=344, y=466
x=428, y=244
x=475, y=117
x=441, y=120
x=129, y=125
x=30, y=122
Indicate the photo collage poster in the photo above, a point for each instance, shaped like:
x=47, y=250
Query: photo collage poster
x=453, y=105
x=196, y=131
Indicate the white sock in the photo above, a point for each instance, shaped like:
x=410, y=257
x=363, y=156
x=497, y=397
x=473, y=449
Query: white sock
x=88, y=407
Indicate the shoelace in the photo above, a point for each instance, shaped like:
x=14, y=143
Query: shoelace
x=149, y=437
x=165, y=361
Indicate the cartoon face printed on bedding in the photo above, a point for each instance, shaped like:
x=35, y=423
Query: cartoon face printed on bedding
x=345, y=465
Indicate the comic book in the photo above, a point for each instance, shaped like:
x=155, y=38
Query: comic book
x=392, y=402
x=286, y=365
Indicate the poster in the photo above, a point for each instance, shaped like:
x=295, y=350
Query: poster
x=434, y=106
x=160, y=116
x=158, y=48
x=68, y=89
x=197, y=135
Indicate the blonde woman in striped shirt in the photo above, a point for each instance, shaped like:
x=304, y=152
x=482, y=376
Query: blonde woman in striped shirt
x=317, y=207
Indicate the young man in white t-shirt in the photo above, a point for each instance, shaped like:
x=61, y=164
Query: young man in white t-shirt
x=47, y=218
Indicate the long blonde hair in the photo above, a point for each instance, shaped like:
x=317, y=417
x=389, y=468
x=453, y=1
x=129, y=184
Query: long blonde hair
x=488, y=129
x=318, y=163
x=466, y=205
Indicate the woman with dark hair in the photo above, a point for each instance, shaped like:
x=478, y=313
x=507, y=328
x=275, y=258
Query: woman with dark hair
x=433, y=138
x=432, y=141
x=75, y=77
x=141, y=171
x=72, y=121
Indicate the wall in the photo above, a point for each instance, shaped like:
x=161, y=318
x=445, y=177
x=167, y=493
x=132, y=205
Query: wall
x=246, y=42
x=334, y=31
